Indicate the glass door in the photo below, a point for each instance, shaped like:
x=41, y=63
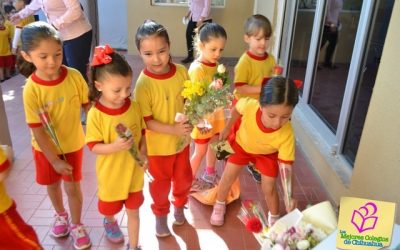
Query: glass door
x=336, y=45
x=366, y=81
x=338, y=80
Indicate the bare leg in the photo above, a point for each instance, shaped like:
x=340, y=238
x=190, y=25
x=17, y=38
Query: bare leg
x=74, y=193
x=229, y=175
x=133, y=227
x=268, y=186
x=210, y=156
x=197, y=157
x=1, y=73
x=55, y=195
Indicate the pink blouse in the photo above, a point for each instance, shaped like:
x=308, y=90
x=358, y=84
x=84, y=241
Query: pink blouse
x=65, y=15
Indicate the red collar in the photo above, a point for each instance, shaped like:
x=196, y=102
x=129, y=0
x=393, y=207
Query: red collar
x=61, y=77
x=170, y=73
x=111, y=111
x=261, y=125
x=258, y=58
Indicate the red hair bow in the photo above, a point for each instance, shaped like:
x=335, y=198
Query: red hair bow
x=101, y=55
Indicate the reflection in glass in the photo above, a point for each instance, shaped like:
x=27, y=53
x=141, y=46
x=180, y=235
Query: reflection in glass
x=337, y=38
x=301, y=42
x=367, y=77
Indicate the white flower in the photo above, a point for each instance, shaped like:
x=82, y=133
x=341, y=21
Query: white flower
x=278, y=247
x=303, y=245
x=267, y=244
x=221, y=69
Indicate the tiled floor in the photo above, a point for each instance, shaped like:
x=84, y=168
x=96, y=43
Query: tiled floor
x=35, y=207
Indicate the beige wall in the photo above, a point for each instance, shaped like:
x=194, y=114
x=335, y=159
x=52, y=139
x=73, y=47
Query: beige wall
x=231, y=17
x=376, y=172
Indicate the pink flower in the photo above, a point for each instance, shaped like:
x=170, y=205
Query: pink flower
x=179, y=117
x=216, y=84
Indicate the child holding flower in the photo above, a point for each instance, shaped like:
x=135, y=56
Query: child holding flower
x=270, y=147
x=158, y=92
x=119, y=175
x=255, y=65
x=210, y=41
x=57, y=92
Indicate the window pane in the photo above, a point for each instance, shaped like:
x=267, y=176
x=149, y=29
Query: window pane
x=337, y=42
x=367, y=77
x=301, y=41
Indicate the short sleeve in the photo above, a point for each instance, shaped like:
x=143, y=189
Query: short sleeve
x=93, y=129
x=142, y=96
x=31, y=106
x=4, y=163
x=242, y=71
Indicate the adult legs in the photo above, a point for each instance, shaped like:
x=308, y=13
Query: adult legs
x=77, y=52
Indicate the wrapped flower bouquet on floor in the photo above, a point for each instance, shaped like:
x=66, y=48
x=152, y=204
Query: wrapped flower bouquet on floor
x=296, y=230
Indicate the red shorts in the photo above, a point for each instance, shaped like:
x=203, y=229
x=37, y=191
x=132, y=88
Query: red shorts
x=6, y=61
x=266, y=164
x=45, y=173
x=108, y=208
x=15, y=233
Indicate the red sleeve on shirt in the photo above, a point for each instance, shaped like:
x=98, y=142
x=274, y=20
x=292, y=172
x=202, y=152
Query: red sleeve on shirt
x=286, y=162
x=238, y=84
x=34, y=125
x=5, y=165
x=148, y=118
x=92, y=144
x=143, y=131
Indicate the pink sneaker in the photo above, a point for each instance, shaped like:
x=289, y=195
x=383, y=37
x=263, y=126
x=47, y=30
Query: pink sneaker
x=218, y=213
x=80, y=237
x=60, y=227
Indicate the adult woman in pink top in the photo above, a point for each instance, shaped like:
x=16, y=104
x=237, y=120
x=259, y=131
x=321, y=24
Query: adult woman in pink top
x=199, y=12
x=69, y=19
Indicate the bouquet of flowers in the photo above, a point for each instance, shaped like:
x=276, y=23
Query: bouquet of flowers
x=202, y=99
x=302, y=236
x=296, y=230
x=126, y=133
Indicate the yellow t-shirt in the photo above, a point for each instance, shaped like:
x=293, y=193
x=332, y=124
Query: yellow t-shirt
x=5, y=200
x=25, y=21
x=203, y=72
x=62, y=99
x=159, y=97
x=252, y=70
x=254, y=138
x=117, y=174
x=6, y=35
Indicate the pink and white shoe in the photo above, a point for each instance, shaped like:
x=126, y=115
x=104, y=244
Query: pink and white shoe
x=218, y=214
x=60, y=227
x=80, y=237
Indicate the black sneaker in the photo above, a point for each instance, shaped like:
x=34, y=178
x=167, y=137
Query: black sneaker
x=188, y=59
x=254, y=173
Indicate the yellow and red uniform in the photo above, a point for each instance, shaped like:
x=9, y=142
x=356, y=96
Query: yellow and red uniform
x=118, y=174
x=204, y=72
x=159, y=97
x=262, y=146
x=252, y=70
x=14, y=232
x=6, y=35
x=62, y=98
